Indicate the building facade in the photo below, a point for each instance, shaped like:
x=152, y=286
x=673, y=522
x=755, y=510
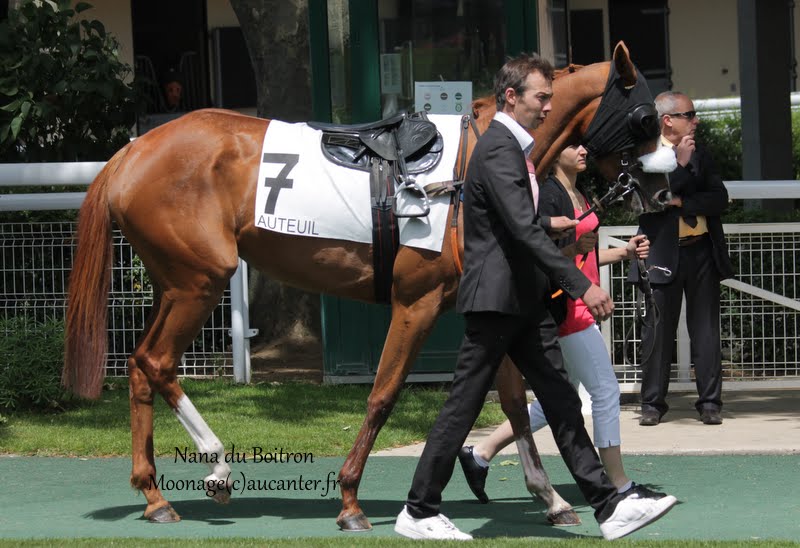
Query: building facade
x=376, y=50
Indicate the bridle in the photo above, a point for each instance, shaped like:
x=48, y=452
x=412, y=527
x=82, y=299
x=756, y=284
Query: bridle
x=625, y=183
x=607, y=134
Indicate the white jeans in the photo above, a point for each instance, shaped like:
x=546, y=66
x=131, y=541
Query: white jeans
x=587, y=362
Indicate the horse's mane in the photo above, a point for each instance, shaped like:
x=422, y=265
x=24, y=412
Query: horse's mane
x=569, y=69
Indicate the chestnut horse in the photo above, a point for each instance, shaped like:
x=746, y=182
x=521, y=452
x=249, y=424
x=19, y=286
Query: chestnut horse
x=183, y=196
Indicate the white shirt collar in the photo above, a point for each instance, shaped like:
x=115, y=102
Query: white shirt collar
x=522, y=136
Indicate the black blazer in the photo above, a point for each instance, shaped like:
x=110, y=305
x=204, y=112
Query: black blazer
x=703, y=193
x=508, y=257
x=554, y=201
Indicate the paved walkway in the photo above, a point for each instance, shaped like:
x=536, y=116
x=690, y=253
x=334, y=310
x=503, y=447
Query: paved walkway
x=759, y=422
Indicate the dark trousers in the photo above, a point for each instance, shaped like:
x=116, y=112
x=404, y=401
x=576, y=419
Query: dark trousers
x=698, y=279
x=532, y=343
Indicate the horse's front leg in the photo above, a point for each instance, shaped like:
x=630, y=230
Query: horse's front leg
x=408, y=329
x=511, y=387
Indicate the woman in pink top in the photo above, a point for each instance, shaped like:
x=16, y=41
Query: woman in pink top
x=586, y=357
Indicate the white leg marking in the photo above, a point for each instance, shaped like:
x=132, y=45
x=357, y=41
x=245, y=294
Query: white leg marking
x=209, y=445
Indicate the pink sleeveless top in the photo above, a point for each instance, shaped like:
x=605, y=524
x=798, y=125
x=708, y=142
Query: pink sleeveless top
x=578, y=315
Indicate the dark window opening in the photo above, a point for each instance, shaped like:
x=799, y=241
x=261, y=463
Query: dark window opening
x=170, y=58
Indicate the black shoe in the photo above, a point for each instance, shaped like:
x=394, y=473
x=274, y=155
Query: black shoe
x=710, y=416
x=644, y=492
x=650, y=417
x=474, y=472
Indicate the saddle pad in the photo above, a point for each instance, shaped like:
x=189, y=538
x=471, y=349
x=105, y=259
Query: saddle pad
x=300, y=192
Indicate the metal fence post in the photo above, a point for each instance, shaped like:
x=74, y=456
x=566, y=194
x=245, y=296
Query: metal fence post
x=240, y=325
x=684, y=346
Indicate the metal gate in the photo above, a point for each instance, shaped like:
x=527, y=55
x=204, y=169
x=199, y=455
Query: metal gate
x=759, y=313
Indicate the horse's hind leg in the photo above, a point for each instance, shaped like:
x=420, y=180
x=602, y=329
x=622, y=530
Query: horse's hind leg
x=153, y=368
x=143, y=473
x=511, y=387
x=409, y=327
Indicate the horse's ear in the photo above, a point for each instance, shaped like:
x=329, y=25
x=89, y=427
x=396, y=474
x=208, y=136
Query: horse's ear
x=624, y=65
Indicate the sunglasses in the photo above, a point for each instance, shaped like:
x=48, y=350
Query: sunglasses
x=689, y=114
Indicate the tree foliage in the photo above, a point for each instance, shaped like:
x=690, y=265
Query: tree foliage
x=63, y=95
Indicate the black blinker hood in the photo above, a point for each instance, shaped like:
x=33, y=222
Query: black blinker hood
x=624, y=118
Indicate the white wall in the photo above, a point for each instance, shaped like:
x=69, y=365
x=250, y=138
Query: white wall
x=116, y=17
x=704, y=47
x=221, y=14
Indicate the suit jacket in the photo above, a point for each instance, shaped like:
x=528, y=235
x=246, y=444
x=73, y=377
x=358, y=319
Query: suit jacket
x=508, y=257
x=703, y=193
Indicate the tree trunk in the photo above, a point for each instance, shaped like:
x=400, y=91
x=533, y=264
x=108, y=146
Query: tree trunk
x=276, y=33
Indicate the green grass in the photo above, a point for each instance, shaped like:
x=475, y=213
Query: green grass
x=323, y=420
x=347, y=540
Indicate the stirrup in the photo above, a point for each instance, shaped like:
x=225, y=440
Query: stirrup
x=411, y=185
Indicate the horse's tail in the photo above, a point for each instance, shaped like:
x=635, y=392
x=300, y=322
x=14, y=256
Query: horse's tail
x=86, y=338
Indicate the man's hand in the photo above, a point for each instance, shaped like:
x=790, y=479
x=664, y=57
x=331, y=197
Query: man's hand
x=586, y=243
x=676, y=201
x=638, y=247
x=684, y=150
x=559, y=226
x=599, y=303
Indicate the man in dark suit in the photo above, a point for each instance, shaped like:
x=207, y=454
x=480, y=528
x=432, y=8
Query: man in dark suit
x=503, y=294
x=688, y=248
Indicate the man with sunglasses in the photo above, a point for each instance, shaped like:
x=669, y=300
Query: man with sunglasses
x=688, y=248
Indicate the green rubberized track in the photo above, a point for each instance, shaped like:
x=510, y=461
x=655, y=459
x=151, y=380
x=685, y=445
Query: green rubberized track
x=721, y=498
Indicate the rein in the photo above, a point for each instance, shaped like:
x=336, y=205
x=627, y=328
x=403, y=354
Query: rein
x=626, y=114
x=625, y=184
x=644, y=302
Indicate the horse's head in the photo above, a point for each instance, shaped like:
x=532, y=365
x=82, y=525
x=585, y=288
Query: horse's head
x=609, y=108
x=623, y=136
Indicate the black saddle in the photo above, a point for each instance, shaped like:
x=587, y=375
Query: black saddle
x=392, y=151
x=412, y=140
x=356, y=128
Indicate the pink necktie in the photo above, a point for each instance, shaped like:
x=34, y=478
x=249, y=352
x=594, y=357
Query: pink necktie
x=534, y=184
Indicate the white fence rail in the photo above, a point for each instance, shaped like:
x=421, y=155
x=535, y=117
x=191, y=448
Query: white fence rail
x=36, y=259
x=717, y=107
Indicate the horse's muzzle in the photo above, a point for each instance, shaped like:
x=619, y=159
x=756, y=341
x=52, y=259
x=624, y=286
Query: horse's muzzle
x=662, y=198
x=654, y=191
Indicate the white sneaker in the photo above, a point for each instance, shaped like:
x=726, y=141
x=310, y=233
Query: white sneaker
x=436, y=527
x=634, y=512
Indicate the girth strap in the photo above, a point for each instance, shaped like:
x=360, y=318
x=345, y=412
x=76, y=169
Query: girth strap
x=385, y=230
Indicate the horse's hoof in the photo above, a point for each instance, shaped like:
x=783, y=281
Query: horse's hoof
x=564, y=518
x=222, y=497
x=165, y=514
x=357, y=523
